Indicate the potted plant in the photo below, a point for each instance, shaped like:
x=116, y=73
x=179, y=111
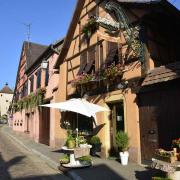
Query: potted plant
x=96, y=145
x=85, y=160
x=64, y=159
x=113, y=71
x=89, y=28
x=81, y=141
x=122, y=142
x=70, y=142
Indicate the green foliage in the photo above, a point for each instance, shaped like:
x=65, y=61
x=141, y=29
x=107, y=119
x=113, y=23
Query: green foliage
x=30, y=101
x=20, y=105
x=160, y=178
x=70, y=141
x=113, y=71
x=81, y=140
x=15, y=107
x=85, y=158
x=95, y=140
x=4, y=117
x=64, y=159
x=89, y=28
x=122, y=140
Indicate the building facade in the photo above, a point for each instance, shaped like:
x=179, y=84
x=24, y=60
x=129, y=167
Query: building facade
x=108, y=54
x=41, y=84
x=6, y=95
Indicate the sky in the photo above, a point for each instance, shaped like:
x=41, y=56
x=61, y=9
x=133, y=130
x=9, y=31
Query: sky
x=49, y=21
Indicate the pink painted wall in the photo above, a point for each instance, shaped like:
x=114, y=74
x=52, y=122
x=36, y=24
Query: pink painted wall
x=35, y=119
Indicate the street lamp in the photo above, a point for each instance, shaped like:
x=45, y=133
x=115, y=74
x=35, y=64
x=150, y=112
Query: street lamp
x=44, y=64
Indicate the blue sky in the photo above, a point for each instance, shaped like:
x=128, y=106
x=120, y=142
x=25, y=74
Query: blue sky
x=49, y=18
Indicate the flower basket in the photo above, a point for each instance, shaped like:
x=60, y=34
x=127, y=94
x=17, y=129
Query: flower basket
x=167, y=156
x=170, y=159
x=176, y=144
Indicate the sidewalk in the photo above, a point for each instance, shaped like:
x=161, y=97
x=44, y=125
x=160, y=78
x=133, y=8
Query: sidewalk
x=102, y=169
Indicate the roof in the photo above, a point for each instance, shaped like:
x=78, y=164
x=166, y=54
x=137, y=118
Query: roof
x=79, y=6
x=6, y=89
x=54, y=47
x=163, y=74
x=33, y=51
x=30, y=58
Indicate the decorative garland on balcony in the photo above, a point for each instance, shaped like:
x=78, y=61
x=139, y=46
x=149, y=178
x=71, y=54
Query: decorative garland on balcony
x=30, y=101
x=131, y=33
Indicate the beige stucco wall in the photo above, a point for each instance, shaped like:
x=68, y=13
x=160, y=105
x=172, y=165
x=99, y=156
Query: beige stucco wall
x=70, y=67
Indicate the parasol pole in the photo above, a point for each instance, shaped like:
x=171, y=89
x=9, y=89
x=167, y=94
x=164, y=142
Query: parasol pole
x=77, y=132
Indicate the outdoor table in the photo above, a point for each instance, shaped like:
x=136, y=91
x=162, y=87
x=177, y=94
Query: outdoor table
x=73, y=162
x=172, y=169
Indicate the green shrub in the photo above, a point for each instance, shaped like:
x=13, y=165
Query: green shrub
x=95, y=140
x=64, y=159
x=160, y=178
x=122, y=141
x=85, y=158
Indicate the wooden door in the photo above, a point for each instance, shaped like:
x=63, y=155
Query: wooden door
x=45, y=126
x=159, y=118
x=148, y=127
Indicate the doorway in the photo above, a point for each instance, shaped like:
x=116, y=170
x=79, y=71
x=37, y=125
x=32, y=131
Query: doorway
x=45, y=126
x=159, y=117
x=116, y=123
x=27, y=123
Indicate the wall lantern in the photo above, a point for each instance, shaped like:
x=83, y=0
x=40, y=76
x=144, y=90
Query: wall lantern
x=122, y=85
x=44, y=64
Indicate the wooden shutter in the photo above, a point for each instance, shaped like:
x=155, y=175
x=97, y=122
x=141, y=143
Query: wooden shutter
x=91, y=59
x=112, y=49
x=83, y=62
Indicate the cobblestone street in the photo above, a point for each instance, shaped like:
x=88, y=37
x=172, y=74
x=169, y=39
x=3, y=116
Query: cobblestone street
x=18, y=163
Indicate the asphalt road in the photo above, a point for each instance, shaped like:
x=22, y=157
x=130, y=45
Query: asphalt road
x=20, y=164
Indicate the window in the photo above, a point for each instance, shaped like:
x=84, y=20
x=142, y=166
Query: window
x=31, y=83
x=112, y=53
x=87, y=61
x=38, y=79
x=90, y=68
x=47, y=76
x=24, y=91
x=83, y=62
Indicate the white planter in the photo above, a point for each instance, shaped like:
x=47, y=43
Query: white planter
x=124, y=157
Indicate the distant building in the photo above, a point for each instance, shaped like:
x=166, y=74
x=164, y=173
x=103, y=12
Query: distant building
x=6, y=95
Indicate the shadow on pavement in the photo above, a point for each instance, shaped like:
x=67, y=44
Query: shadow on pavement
x=148, y=174
x=5, y=175
x=99, y=172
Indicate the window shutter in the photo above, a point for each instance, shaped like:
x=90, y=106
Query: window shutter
x=112, y=49
x=83, y=62
x=91, y=59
